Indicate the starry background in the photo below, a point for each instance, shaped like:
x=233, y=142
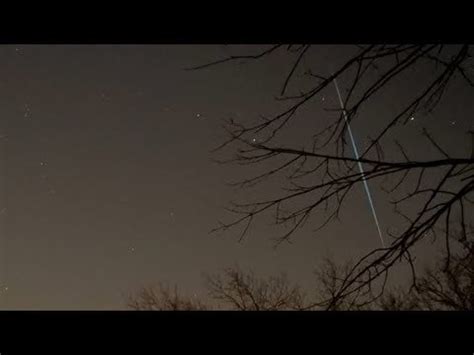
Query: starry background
x=108, y=182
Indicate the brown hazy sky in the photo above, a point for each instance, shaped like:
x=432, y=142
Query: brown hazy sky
x=108, y=182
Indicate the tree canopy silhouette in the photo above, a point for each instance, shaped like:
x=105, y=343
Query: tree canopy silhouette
x=234, y=289
x=448, y=285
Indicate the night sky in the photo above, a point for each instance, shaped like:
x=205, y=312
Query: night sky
x=108, y=182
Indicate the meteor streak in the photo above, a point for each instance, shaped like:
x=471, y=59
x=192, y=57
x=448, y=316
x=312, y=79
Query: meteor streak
x=361, y=169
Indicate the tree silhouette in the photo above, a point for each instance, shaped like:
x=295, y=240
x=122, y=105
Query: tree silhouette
x=162, y=298
x=246, y=292
x=232, y=290
x=447, y=286
x=319, y=174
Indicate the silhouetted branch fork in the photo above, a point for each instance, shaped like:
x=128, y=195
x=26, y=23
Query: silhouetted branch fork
x=293, y=68
x=238, y=57
x=414, y=231
x=410, y=108
x=433, y=142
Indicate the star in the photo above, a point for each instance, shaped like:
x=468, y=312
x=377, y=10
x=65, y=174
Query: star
x=412, y=118
x=27, y=111
x=198, y=115
x=132, y=249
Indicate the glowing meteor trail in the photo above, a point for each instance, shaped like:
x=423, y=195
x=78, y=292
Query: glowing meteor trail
x=361, y=169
